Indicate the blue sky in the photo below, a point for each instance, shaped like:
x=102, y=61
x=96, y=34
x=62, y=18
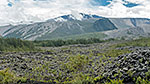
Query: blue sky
x=102, y=2
x=107, y=2
x=13, y=11
x=95, y=3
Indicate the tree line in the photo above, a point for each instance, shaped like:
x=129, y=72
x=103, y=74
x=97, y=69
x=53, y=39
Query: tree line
x=13, y=44
x=59, y=42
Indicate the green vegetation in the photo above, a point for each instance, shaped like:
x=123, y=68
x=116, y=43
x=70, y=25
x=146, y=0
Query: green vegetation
x=56, y=43
x=12, y=44
x=142, y=81
x=8, y=77
x=76, y=63
x=75, y=68
x=115, y=52
x=117, y=81
x=97, y=35
x=142, y=42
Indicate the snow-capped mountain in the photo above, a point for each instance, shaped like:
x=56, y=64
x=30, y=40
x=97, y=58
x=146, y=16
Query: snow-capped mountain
x=67, y=24
x=76, y=24
x=76, y=16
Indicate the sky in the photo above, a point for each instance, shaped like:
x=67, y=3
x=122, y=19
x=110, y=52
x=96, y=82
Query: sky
x=15, y=11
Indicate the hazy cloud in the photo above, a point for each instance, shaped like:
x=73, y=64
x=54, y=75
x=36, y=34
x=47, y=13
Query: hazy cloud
x=13, y=11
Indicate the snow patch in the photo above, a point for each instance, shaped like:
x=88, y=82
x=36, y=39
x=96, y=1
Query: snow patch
x=60, y=19
x=77, y=15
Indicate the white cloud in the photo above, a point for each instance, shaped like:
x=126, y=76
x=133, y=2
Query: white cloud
x=136, y=1
x=40, y=10
x=117, y=9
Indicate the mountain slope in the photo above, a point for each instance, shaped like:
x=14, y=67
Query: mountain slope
x=104, y=25
x=133, y=32
x=130, y=22
x=129, y=27
x=69, y=25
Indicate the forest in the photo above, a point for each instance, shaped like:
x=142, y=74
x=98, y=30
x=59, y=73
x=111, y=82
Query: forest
x=13, y=44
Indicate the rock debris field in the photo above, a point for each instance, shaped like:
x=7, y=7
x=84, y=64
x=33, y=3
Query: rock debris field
x=69, y=64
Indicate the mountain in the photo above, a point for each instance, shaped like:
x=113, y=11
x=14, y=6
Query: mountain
x=129, y=28
x=78, y=25
x=53, y=28
x=76, y=16
x=104, y=25
x=4, y=28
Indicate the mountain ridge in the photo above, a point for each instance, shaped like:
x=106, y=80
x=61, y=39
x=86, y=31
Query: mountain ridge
x=73, y=24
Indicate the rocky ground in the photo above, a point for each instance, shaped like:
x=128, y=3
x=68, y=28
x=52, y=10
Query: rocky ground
x=129, y=66
x=70, y=64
